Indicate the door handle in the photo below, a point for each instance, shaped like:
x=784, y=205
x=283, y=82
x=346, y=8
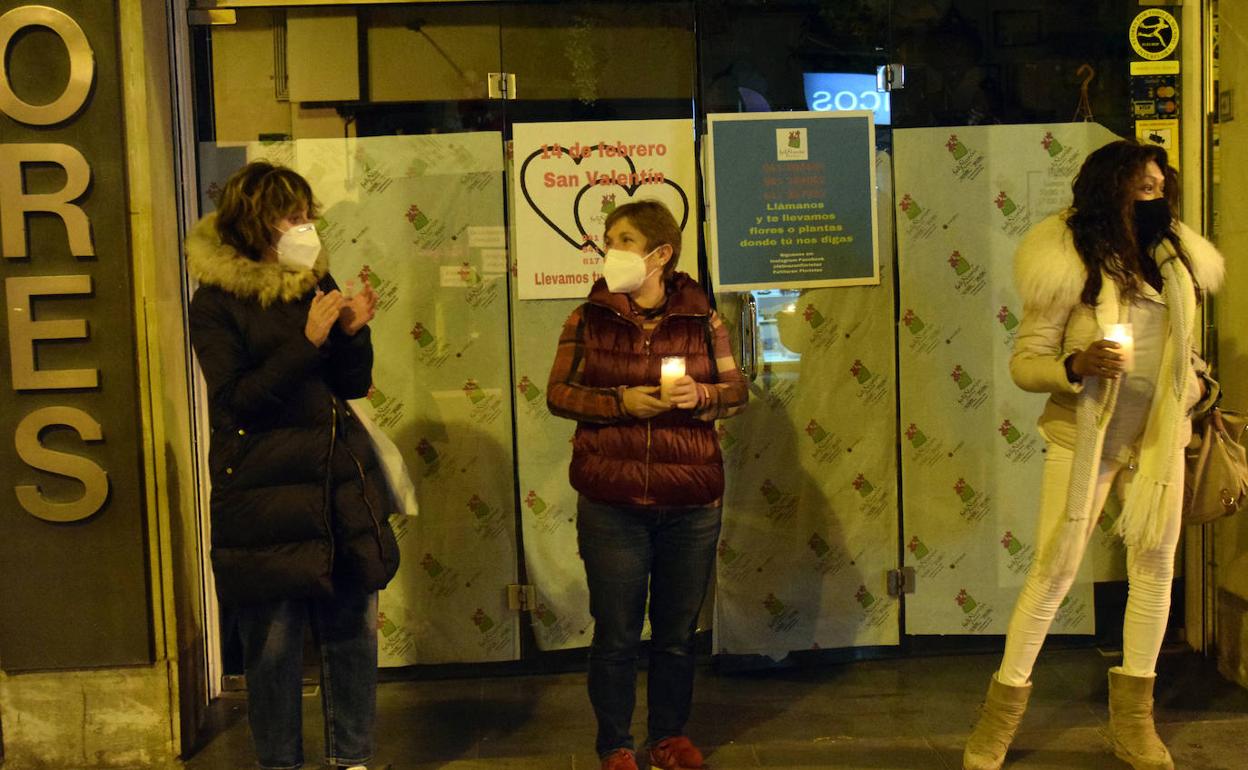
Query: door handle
x=749, y=337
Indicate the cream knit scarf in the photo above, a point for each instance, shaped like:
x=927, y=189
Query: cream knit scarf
x=1155, y=493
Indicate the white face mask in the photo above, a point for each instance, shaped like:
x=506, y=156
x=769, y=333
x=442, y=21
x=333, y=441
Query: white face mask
x=625, y=271
x=298, y=247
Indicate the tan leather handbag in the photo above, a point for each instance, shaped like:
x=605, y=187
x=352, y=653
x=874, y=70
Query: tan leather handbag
x=1216, y=484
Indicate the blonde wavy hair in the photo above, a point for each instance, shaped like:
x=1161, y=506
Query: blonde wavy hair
x=256, y=196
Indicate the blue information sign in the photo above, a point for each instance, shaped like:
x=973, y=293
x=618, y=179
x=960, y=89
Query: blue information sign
x=792, y=200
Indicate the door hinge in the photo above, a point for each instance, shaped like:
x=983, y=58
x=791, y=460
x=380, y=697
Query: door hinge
x=901, y=581
x=521, y=597
x=890, y=77
x=502, y=85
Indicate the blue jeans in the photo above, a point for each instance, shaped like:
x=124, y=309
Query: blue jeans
x=345, y=628
x=670, y=552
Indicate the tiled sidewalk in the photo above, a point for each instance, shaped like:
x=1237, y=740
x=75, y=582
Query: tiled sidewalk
x=907, y=713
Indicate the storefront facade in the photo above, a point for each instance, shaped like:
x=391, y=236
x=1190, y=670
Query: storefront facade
x=868, y=509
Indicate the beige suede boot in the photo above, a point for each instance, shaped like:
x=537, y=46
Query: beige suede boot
x=998, y=721
x=1131, y=722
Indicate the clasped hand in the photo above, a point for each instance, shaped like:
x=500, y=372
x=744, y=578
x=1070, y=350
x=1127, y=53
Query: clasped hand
x=351, y=314
x=358, y=310
x=643, y=401
x=1101, y=359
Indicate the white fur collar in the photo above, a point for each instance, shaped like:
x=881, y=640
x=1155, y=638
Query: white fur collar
x=1048, y=271
x=1208, y=266
x=213, y=263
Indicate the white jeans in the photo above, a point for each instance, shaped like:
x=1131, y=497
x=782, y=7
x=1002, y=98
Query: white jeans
x=1062, y=544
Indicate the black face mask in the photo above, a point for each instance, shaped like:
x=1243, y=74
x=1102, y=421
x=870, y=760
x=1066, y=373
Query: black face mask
x=1152, y=220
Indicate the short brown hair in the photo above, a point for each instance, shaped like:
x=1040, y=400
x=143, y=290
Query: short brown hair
x=653, y=220
x=253, y=198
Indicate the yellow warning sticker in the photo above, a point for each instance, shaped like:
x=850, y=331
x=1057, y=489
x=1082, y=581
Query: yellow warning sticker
x=1154, y=34
x=1163, y=133
x=1170, y=67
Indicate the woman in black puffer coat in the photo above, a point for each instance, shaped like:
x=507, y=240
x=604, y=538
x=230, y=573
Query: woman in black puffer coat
x=300, y=509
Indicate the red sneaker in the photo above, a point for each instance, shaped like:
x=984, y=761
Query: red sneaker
x=620, y=759
x=677, y=753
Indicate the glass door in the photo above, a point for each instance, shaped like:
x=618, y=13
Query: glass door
x=811, y=513
x=385, y=110
x=999, y=109
x=430, y=71
x=605, y=96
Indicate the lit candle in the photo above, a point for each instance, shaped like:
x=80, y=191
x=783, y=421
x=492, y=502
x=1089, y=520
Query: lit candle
x=1125, y=337
x=673, y=369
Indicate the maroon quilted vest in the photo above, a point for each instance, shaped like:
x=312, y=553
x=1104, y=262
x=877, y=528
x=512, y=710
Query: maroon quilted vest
x=668, y=460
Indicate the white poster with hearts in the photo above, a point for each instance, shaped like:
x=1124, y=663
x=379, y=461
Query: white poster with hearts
x=570, y=176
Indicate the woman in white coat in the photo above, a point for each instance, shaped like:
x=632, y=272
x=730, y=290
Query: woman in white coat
x=1117, y=417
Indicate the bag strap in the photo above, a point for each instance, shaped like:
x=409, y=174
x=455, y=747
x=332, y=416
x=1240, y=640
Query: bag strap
x=710, y=347
x=1197, y=472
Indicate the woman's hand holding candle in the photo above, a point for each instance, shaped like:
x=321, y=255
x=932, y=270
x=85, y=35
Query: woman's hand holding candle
x=643, y=402
x=1125, y=337
x=1103, y=358
x=683, y=393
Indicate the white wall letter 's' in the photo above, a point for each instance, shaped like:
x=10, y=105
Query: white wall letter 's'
x=36, y=455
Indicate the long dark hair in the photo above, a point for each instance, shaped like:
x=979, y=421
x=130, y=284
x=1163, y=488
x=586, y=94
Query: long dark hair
x=1102, y=218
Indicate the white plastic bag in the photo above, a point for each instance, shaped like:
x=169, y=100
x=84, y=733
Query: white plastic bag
x=391, y=461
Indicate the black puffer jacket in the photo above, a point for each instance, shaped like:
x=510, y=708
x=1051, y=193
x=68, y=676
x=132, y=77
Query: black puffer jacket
x=299, y=505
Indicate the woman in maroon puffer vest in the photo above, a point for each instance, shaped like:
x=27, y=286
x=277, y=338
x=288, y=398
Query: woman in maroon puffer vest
x=649, y=472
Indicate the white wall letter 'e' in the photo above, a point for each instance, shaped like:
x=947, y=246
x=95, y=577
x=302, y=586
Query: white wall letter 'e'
x=25, y=330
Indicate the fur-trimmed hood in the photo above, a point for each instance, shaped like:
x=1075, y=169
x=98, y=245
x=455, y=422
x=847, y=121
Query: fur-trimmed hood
x=1048, y=271
x=213, y=263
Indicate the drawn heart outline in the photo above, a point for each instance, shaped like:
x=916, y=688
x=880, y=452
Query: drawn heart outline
x=576, y=204
x=576, y=213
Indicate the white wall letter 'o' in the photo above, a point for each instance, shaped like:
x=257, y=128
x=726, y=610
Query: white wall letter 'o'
x=81, y=65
